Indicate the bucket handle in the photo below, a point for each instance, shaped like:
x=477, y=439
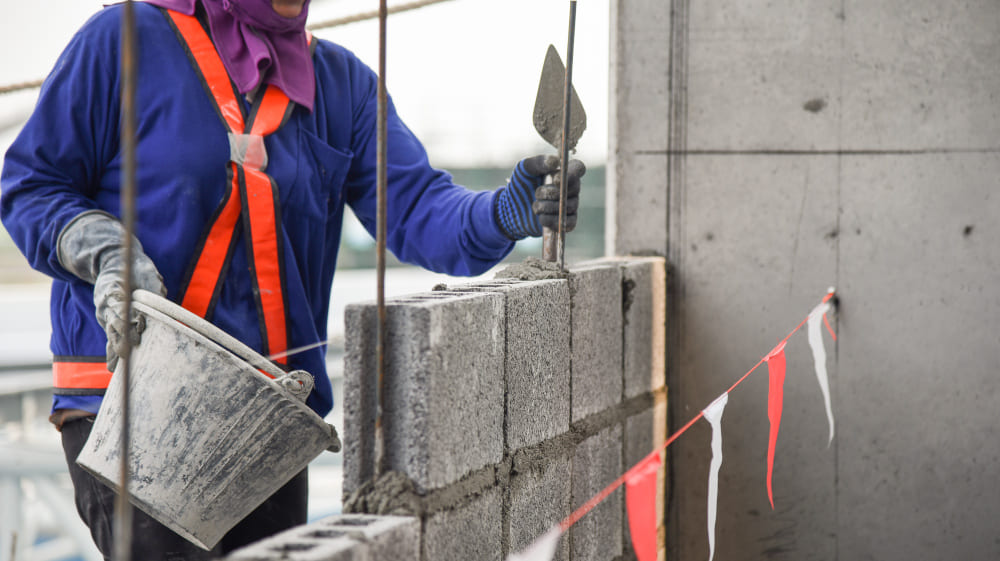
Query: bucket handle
x=203, y=326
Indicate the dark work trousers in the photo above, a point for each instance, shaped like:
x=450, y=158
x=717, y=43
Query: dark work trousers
x=152, y=541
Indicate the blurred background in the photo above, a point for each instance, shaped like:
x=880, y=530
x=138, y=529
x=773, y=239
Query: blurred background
x=463, y=75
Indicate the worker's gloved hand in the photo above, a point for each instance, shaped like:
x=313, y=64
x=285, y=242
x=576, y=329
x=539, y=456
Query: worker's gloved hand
x=90, y=248
x=526, y=205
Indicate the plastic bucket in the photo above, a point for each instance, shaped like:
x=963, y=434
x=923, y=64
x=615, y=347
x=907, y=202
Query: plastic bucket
x=211, y=436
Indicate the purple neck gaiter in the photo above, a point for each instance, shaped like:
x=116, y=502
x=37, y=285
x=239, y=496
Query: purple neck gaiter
x=256, y=43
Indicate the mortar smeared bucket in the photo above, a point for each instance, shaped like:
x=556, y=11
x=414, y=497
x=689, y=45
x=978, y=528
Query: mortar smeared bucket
x=211, y=436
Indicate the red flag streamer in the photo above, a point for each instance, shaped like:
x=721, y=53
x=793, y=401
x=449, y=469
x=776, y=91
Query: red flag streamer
x=640, y=499
x=775, y=398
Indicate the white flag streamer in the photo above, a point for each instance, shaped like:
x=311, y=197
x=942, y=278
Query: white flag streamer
x=713, y=414
x=819, y=359
x=541, y=549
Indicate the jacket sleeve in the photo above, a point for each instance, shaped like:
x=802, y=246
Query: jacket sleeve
x=431, y=221
x=52, y=169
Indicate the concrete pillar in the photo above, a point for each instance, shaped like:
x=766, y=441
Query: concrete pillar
x=798, y=146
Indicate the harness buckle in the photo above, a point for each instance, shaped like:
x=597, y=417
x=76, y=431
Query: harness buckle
x=248, y=151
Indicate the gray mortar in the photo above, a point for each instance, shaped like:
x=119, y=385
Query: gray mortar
x=392, y=493
x=533, y=269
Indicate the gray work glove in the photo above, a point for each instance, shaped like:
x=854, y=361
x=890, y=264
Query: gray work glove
x=90, y=248
x=525, y=205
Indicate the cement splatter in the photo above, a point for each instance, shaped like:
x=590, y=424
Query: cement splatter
x=533, y=269
x=392, y=493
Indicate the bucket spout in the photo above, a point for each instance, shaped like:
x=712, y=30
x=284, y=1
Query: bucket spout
x=299, y=383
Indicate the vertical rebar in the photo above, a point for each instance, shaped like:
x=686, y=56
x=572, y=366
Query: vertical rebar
x=564, y=149
x=123, y=508
x=381, y=179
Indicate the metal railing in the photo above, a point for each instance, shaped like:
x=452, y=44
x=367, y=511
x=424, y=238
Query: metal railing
x=38, y=519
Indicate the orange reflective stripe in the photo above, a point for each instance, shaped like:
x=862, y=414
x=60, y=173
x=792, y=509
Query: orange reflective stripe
x=80, y=375
x=264, y=236
x=212, y=68
x=208, y=267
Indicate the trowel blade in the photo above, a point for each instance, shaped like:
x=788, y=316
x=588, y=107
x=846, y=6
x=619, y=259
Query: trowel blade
x=548, y=114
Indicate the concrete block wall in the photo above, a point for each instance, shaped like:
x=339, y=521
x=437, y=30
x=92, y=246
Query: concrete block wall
x=510, y=403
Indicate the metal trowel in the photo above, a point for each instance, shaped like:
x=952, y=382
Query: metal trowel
x=548, y=119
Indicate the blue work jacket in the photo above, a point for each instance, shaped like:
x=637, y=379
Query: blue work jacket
x=68, y=160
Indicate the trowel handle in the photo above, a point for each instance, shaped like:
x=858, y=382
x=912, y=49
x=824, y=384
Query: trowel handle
x=550, y=244
x=550, y=237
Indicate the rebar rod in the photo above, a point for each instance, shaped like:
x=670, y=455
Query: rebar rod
x=564, y=150
x=381, y=179
x=123, y=508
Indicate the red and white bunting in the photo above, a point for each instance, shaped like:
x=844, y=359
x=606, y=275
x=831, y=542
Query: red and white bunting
x=713, y=414
x=640, y=501
x=775, y=399
x=819, y=358
x=542, y=549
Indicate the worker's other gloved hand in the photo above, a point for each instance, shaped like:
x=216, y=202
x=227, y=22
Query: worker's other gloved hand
x=90, y=248
x=526, y=205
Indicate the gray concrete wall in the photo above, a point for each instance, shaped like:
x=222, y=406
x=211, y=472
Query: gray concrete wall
x=773, y=149
x=510, y=406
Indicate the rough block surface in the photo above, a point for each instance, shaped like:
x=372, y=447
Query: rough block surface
x=596, y=463
x=537, y=357
x=473, y=531
x=349, y=537
x=644, y=319
x=596, y=319
x=539, y=499
x=444, y=387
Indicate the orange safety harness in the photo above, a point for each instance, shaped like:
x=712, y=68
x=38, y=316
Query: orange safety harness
x=252, y=197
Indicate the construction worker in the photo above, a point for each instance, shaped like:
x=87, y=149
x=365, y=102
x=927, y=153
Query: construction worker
x=251, y=139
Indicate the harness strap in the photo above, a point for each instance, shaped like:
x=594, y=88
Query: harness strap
x=252, y=196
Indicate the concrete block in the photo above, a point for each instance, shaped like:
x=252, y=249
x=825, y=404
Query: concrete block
x=644, y=433
x=644, y=317
x=537, y=358
x=636, y=207
x=360, y=376
x=596, y=319
x=644, y=312
x=444, y=387
x=596, y=463
x=340, y=538
x=539, y=498
x=473, y=531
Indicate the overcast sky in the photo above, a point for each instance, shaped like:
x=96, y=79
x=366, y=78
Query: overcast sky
x=463, y=73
